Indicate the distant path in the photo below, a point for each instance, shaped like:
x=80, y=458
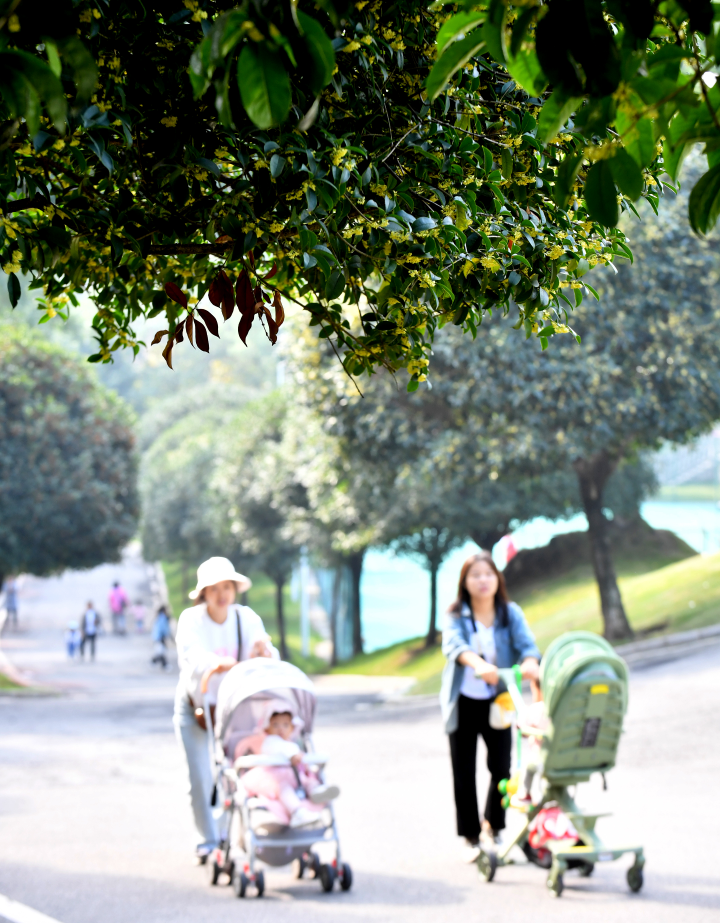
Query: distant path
x=95, y=826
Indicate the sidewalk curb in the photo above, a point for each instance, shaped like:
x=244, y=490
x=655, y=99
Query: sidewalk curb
x=635, y=653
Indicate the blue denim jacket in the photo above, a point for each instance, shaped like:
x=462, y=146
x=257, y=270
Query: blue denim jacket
x=513, y=642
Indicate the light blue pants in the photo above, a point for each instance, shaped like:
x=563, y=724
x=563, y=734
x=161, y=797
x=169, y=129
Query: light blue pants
x=194, y=742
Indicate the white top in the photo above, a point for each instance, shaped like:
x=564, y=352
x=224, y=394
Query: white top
x=202, y=643
x=90, y=622
x=483, y=642
x=275, y=745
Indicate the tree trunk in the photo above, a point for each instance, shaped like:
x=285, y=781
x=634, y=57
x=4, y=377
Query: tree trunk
x=593, y=473
x=431, y=639
x=335, y=606
x=355, y=562
x=280, y=615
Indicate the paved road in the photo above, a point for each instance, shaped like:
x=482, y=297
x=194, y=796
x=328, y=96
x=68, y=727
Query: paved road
x=94, y=825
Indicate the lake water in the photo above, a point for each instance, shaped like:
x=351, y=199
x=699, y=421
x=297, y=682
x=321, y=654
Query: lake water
x=395, y=590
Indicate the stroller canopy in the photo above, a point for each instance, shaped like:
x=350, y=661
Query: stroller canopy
x=246, y=689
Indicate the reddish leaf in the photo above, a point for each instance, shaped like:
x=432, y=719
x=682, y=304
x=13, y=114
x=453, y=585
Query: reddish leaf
x=189, y=328
x=251, y=254
x=257, y=295
x=215, y=292
x=226, y=294
x=179, y=333
x=167, y=352
x=158, y=336
x=279, y=310
x=175, y=294
x=244, y=293
x=245, y=325
x=224, y=239
x=201, y=336
x=212, y=324
x=272, y=272
x=272, y=326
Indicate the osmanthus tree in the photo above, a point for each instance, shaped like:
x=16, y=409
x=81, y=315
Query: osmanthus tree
x=417, y=163
x=68, y=467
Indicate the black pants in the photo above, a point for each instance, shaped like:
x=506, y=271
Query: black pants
x=473, y=720
x=88, y=639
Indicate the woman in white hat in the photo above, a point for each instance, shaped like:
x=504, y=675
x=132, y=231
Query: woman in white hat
x=212, y=636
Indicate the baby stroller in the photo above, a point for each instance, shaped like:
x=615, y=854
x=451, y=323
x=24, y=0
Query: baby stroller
x=250, y=834
x=585, y=688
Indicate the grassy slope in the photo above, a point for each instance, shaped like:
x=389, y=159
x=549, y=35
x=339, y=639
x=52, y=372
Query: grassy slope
x=261, y=597
x=677, y=597
x=7, y=683
x=689, y=493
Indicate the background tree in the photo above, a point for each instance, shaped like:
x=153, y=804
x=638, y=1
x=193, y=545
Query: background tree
x=180, y=509
x=646, y=372
x=259, y=490
x=68, y=469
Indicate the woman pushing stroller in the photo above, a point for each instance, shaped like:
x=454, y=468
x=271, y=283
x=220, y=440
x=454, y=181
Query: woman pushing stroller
x=483, y=632
x=212, y=636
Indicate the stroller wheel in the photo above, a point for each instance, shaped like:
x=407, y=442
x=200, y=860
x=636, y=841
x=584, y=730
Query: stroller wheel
x=345, y=877
x=555, y=885
x=487, y=864
x=213, y=870
x=260, y=883
x=327, y=877
x=635, y=878
x=299, y=866
x=586, y=869
x=315, y=866
x=240, y=884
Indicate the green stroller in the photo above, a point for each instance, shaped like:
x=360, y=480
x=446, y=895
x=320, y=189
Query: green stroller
x=585, y=689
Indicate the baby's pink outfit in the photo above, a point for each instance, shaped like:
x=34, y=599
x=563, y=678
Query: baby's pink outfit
x=277, y=785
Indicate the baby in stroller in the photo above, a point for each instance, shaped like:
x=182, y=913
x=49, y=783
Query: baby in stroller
x=285, y=790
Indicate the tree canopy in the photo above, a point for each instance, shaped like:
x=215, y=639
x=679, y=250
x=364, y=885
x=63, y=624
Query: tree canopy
x=68, y=495
x=258, y=152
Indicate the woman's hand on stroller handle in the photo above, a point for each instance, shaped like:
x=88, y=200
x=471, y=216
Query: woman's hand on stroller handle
x=261, y=648
x=530, y=669
x=222, y=666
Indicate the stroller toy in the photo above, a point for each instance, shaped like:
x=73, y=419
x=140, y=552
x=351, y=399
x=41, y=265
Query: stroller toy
x=250, y=833
x=585, y=686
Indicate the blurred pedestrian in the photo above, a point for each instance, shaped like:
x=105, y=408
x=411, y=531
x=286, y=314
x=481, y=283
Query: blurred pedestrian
x=160, y=636
x=11, y=601
x=483, y=632
x=138, y=611
x=90, y=626
x=73, y=639
x=118, y=600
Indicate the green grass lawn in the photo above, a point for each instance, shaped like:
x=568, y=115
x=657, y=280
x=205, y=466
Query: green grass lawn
x=7, y=684
x=689, y=493
x=260, y=597
x=676, y=597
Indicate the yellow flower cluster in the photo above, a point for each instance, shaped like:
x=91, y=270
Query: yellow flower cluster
x=14, y=264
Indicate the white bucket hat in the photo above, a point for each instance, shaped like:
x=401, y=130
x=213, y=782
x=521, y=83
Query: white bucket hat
x=216, y=570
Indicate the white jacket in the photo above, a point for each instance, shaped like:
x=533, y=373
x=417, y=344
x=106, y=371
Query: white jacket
x=202, y=644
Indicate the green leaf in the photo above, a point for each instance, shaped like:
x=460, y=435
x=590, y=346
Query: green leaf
x=277, y=165
x=335, y=285
x=14, y=290
x=457, y=25
x=456, y=56
x=638, y=138
x=42, y=82
x=525, y=70
x=83, y=66
x=704, y=204
x=567, y=171
x=320, y=50
x=413, y=386
x=627, y=174
x=507, y=163
x=555, y=113
x=494, y=31
x=264, y=86
x=601, y=195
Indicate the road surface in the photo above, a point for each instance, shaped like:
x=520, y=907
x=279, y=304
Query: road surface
x=94, y=824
